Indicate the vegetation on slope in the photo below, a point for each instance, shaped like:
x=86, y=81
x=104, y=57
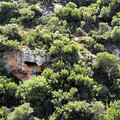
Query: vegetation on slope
x=83, y=81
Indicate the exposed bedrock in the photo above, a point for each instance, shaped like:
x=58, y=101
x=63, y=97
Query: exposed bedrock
x=116, y=52
x=24, y=64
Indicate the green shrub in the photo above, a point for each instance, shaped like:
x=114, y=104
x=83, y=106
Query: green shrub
x=72, y=111
x=107, y=63
x=7, y=91
x=9, y=45
x=3, y=113
x=37, y=11
x=105, y=13
x=23, y=112
x=26, y=16
x=12, y=32
x=80, y=32
x=7, y=11
x=113, y=112
x=98, y=48
x=71, y=5
x=36, y=91
x=116, y=20
x=115, y=34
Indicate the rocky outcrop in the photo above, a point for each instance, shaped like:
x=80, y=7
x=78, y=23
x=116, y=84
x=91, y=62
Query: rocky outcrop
x=116, y=52
x=57, y=7
x=24, y=64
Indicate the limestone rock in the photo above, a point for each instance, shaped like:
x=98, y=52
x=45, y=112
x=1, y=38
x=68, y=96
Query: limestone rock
x=116, y=52
x=24, y=65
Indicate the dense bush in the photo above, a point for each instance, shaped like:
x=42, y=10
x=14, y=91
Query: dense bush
x=107, y=63
x=36, y=91
x=3, y=113
x=115, y=34
x=65, y=49
x=26, y=16
x=2, y=68
x=116, y=20
x=82, y=2
x=37, y=11
x=73, y=110
x=69, y=14
x=8, y=10
x=12, y=32
x=7, y=91
x=71, y=5
x=37, y=39
x=113, y=112
x=80, y=32
x=9, y=45
x=56, y=25
x=23, y=112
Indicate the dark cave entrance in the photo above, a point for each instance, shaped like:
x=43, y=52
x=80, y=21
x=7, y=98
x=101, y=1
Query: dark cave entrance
x=30, y=63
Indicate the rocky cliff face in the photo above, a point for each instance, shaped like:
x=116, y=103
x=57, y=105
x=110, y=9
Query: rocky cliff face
x=24, y=65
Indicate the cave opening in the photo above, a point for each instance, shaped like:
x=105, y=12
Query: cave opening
x=30, y=63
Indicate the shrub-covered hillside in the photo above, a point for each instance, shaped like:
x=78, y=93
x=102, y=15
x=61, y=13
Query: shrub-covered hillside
x=82, y=79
